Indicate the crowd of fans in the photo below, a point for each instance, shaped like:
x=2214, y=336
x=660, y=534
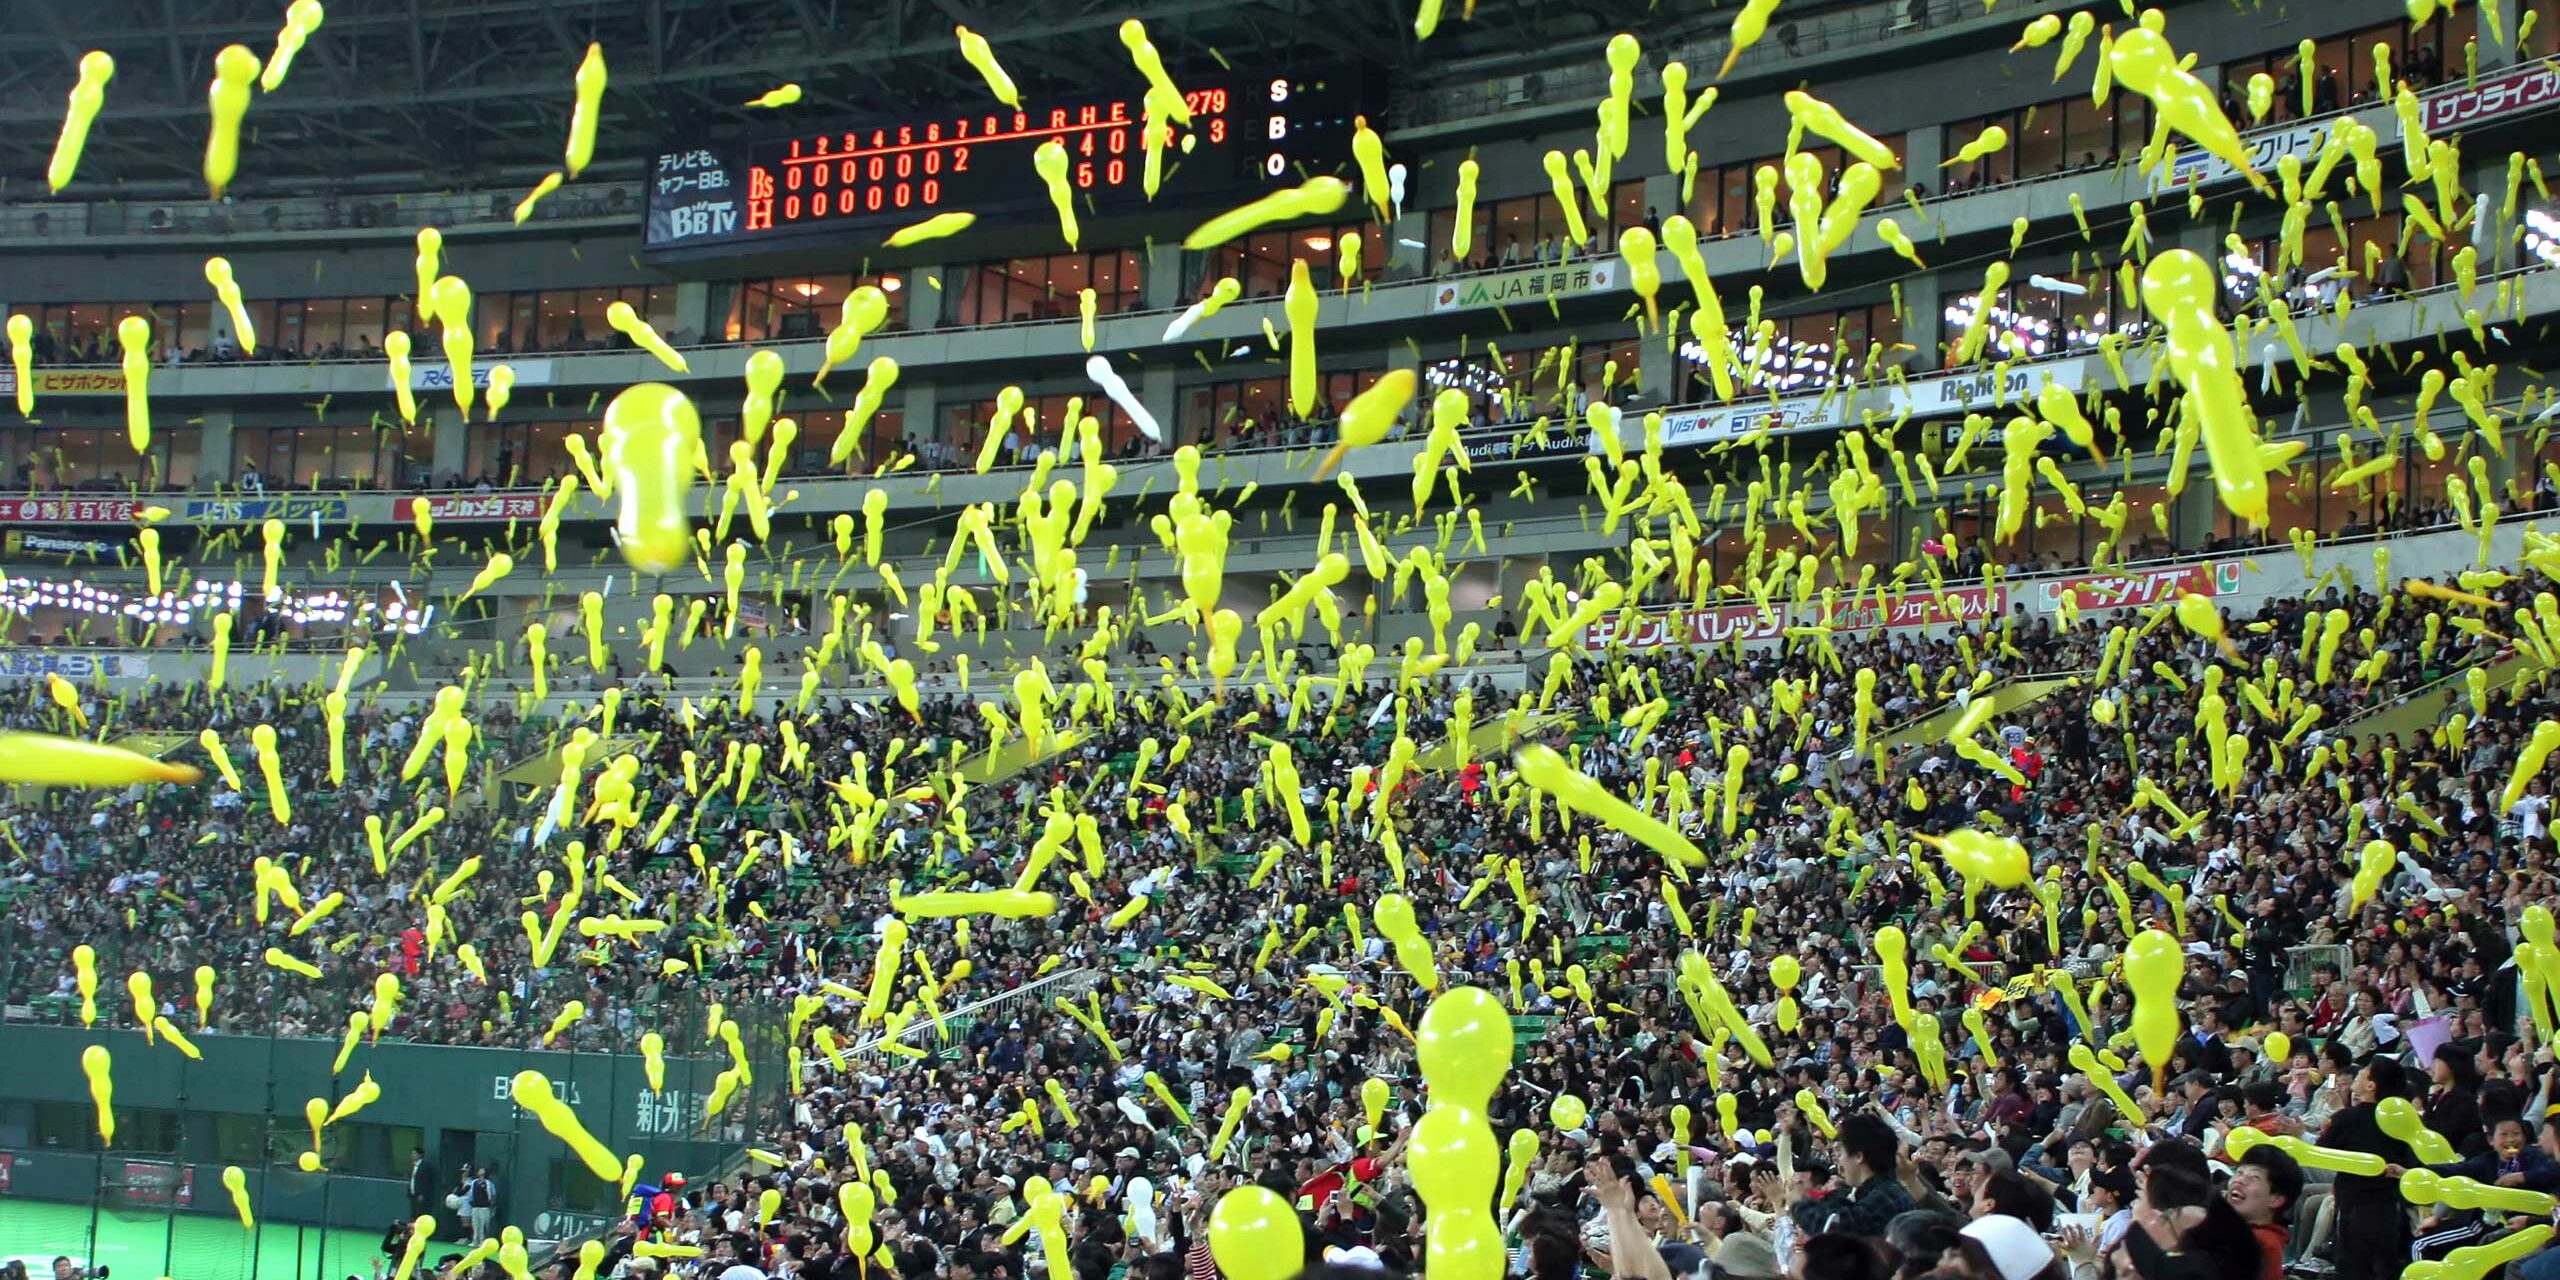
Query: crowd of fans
x=1923, y=1176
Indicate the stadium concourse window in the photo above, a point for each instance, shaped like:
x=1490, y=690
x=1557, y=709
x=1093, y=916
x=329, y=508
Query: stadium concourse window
x=2376, y=267
x=883, y=440
x=2050, y=137
x=1018, y=289
x=1805, y=351
x=1533, y=229
x=1527, y=383
x=1260, y=262
x=2028, y=321
x=1254, y=413
x=965, y=428
x=519, y=455
x=85, y=332
x=2425, y=55
x=571, y=319
x=2408, y=496
x=101, y=458
x=1721, y=200
x=355, y=457
x=793, y=307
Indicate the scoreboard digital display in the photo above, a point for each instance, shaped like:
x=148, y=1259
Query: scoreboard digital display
x=1248, y=135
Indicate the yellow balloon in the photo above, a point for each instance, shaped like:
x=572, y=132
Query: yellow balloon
x=2153, y=966
x=88, y=94
x=234, y=70
x=237, y=1183
x=1567, y=1111
x=1464, y=1046
x=1254, y=1235
x=1454, y=1157
x=650, y=437
x=99, y=1066
x=1465, y=1244
x=584, y=116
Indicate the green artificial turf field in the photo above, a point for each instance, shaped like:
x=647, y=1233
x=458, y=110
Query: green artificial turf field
x=190, y=1246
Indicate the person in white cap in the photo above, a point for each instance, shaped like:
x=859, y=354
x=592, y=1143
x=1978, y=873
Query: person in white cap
x=1999, y=1247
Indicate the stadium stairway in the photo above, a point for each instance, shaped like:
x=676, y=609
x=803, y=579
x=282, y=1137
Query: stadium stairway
x=2423, y=708
x=2007, y=698
x=1015, y=755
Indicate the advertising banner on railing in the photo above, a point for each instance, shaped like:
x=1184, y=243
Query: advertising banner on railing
x=2196, y=167
x=1532, y=283
x=1685, y=628
x=1959, y=605
x=1986, y=389
x=2502, y=93
x=1919, y=398
x=438, y=376
x=253, y=510
x=150, y=1182
x=1560, y=441
x=65, y=382
x=1733, y=422
x=21, y=543
x=72, y=665
x=2139, y=588
x=61, y=510
x=467, y=507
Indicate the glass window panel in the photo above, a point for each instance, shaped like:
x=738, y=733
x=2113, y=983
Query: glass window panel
x=324, y=329
x=524, y=322
x=556, y=321
x=364, y=325
x=288, y=336
x=658, y=306
x=591, y=328
x=2087, y=134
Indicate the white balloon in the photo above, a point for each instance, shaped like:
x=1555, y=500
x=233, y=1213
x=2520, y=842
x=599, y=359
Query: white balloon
x=1116, y=387
x=1395, y=186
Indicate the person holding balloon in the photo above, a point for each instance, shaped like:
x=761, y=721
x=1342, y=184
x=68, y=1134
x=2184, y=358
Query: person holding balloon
x=2511, y=1160
x=2372, y=1227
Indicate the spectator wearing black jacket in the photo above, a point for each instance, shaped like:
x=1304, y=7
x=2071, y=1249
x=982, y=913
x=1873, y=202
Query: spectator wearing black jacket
x=2373, y=1229
x=2262, y=954
x=2453, y=1100
x=1868, y=1195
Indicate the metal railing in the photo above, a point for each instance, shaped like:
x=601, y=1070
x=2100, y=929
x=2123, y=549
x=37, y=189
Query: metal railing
x=1792, y=38
x=1065, y=982
x=391, y=215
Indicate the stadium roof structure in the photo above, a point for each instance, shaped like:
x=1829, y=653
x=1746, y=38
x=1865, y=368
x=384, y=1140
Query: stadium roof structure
x=449, y=94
